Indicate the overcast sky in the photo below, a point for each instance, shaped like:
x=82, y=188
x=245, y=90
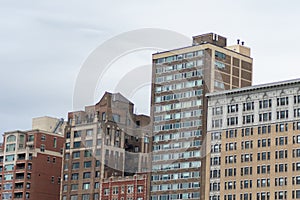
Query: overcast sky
x=45, y=43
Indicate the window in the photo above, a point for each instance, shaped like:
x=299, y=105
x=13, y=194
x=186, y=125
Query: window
x=43, y=138
x=76, y=144
x=219, y=65
x=103, y=116
x=232, y=121
x=75, y=176
x=11, y=138
x=97, y=174
x=281, y=167
x=88, y=153
x=219, y=84
x=10, y=147
x=129, y=189
x=96, y=185
x=96, y=196
x=248, y=106
x=217, y=110
x=77, y=134
x=265, y=103
x=233, y=108
x=297, y=112
x=10, y=158
x=86, y=186
x=106, y=191
x=263, y=117
x=75, y=165
x=248, y=119
x=217, y=123
x=282, y=101
x=115, y=190
x=297, y=99
x=281, y=181
x=220, y=55
x=89, y=143
x=281, y=127
x=89, y=132
x=30, y=138
x=140, y=188
x=247, y=132
x=297, y=195
x=54, y=142
x=87, y=175
x=116, y=118
x=283, y=114
x=215, y=136
x=76, y=154
x=87, y=164
x=74, y=197
x=85, y=197
x=67, y=156
x=74, y=187
x=42, y=148
x=68, y=135
x=296, y=139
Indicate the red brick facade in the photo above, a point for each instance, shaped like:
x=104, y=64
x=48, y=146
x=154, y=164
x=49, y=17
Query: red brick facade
x=30, y=165
x=134, y=188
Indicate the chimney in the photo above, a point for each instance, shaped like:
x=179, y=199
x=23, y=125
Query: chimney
x=243, y=43
x=238, y=41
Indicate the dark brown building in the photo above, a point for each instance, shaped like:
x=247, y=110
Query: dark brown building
x=180, y=80
x=105, y=140
x=30, y=164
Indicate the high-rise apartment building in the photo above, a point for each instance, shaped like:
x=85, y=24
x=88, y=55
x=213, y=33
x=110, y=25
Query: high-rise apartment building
x=106, y=140
x=30, y=161
x=253, y=143
x=180, y=80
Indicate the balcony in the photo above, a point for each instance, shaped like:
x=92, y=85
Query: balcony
x=18, y=195
x=21, y=156
x=19, y=186
x=19, y=176
x=20, y=166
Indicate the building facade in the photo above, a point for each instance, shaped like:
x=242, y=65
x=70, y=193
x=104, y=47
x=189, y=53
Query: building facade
x=180, y=80
x=253, y=150
x=125, y=188
x=106, y=140
x=30, y=164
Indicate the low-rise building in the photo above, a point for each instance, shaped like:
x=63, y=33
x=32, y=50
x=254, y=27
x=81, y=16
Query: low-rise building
x=125, y=188
x=30, y=163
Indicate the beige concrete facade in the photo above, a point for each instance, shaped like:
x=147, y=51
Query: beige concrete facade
x=49, y=124
x=253, y=143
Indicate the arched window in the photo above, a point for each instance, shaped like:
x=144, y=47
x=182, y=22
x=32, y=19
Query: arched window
x=11, y=138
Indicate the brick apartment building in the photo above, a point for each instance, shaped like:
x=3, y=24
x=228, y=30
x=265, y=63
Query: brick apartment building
x=30, y=161
x=105, y=140
x=253, y=143
x=180, y=80
x=125, y=188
